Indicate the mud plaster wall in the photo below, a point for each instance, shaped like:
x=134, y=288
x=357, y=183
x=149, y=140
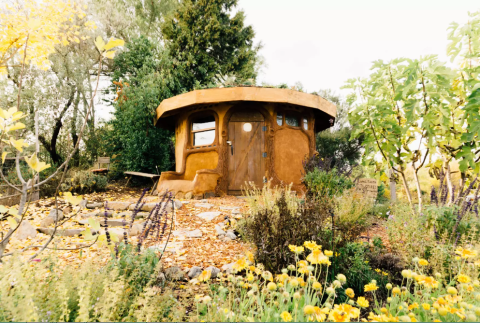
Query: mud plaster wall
x=197, y=161
x=291, y=147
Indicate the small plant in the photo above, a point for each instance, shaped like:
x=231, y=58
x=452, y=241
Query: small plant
x=84, y=182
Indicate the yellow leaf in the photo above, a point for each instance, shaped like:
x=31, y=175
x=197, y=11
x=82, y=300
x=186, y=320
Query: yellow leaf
x=114, y=43
x=18, y=144
x=18, y=115
x=113, y=236
x=37, y=165
x=7, y=114
x=102, y=240
x=76, y=40
x=94, y=224
x=4, y=155
x=16, y=126
x=12, y=222
x=99, y=43
x=34, y=24
x=13, y=212
x=3, y=209
x=110, y=54
x=87, y=235
x=74, y=200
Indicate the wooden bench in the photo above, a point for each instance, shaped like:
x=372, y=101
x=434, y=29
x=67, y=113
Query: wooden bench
x=102, y=161
x=153, y=177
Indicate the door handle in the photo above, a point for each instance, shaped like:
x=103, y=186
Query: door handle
x=231, y=146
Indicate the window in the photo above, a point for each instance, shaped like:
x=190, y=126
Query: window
x=292, y=120
x=305, y=123
x=203, y=130
x=280, y=118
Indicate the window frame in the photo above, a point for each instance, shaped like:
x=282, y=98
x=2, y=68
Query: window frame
x=301, y=116
x=192, y=132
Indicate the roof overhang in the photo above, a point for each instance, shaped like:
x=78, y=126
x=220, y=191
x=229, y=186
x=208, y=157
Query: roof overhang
x=323, y=109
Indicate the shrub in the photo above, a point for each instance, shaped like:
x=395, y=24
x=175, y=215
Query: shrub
x=321, y=179
x=351, y=214
x=83, y=181
x=120, y=291
x=272, y=229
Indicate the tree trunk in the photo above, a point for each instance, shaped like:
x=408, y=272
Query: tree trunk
x=407, y=190
x=73, y=130
x=419, y=190
x=448, y=176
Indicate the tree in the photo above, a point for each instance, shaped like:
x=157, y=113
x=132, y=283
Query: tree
x=207, y=44
x=336, y=143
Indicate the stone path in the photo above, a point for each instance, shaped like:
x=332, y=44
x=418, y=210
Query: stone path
x=201, y=236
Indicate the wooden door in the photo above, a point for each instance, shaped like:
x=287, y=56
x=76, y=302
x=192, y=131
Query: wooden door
x=246, y=162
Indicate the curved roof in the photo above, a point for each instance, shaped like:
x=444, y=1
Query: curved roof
x=173, y=105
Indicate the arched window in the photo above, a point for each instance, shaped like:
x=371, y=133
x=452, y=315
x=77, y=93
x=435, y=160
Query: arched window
x=305, y=123
x=203, y=130
x=292, y=119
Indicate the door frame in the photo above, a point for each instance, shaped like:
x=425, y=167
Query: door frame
x=225, y=149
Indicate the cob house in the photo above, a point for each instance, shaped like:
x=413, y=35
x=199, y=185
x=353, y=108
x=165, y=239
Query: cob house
x=225, y=137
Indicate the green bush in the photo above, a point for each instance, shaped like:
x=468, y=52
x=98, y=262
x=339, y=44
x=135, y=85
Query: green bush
x=327, y=183
x=83, y=181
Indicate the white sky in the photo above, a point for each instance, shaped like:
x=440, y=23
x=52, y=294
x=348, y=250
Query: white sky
x=323, y=43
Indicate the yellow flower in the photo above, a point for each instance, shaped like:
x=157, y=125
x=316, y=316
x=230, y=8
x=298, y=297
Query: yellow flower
x=328, y=253
x=378, y=270
x=240, y=264
x=350, y=293
x=286, y=317
x=371, y=287
x=311, y=245
x=343, y=313
x=426, y=306
x=413, y=306
x=463, y=278
x=271, y=286
x=317, y=286
x=250, y=277
x=309, y=310
x=465, y=253
x=362, y=302
x=423, y=262
x=316, y=257
x=205, y=275
x=250, y=256
x=296, y=249
x=267, y=275
x=428, y=281
x=320, y=314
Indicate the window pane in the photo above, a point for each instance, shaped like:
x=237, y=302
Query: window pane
x=279, y=119
x=305, y=123
x=291, y=120
x=203, y=123
x=204, y=137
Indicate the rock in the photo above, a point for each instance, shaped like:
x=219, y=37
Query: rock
x=204, y=205
x=198, y=196
x=50, y=219
x=61, y=232
x=194, y=272
x=221, y=224
x=228, y=268
x=214, y=270
x=126, y=214
x=226, y=208
x=94, y=205
x=236, y=211
x=224, y=238
x=113, y=223
x=203, y=201
x=25, y=230
x=83, y=204
x=189, y=196
x=219, y=230
x=231, y=235
x=209, y=195
x=209, y=216
x=188, y=234
x=136, y=229
x=118, y=205
x=161, y=279
x=149, y=206
x=97, y=213
x=66, y=210
x=172, y=247
x=54, y=212
x=180, y=195
x=174, y=273
x=142, y=215
x=178, y=204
